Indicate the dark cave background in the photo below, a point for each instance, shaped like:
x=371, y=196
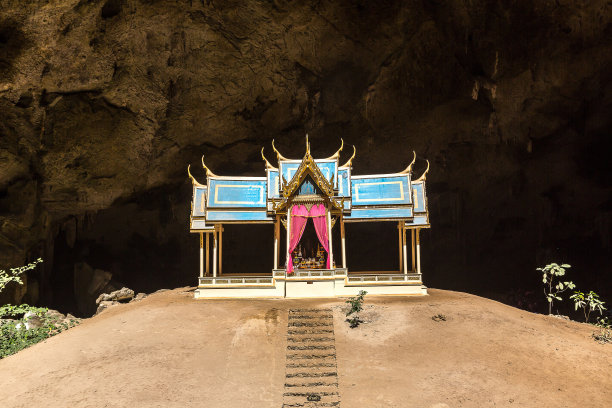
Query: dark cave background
x=103, y=104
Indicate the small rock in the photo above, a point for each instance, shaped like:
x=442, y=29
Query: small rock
x=138, y=297
x=105, y=304
x=121, y=295
x=32, y=321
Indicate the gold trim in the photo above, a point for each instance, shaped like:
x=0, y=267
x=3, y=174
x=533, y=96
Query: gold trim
x=408, y=169
x=349, y=163
x=193, y=180
x=336, y=155
x=424, y=175
x=208, y=172
x=268, y=165
x=278, y=155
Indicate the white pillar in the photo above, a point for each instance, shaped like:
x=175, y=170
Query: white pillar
x=201, y=255
x=418, y=251
x=215, y=252
x=288, y=236
x=276, y=234
x=329, y=235
x=413, y=259
x=220, y=249
x=404, y=250
x=343, y=241
x=399, y=243
x=208, y=254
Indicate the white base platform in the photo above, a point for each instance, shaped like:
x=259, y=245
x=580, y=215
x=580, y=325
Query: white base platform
x=309, y=284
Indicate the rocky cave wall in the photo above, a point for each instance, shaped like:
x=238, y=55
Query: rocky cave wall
x=104, y=103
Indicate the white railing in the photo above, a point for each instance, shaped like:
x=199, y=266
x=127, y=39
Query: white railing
x=320, y=273
x=411, y=277
x=238, y=280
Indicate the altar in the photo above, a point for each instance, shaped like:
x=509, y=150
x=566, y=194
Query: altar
x=308, y=198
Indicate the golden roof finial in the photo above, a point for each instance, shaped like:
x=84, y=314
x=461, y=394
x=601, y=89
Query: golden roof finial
x=268, y=165
x=193, y=180
x=307, y=145
x=278, y=155
x=208, y=172
x=350, y=161
x=409, y=168
x=337, y=154
x=423, y=176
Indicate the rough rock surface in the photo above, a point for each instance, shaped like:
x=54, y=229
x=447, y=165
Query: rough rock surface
x=103, y=104
x=121, y=295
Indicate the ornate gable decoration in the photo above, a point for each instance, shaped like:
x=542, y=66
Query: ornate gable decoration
x=308, y=167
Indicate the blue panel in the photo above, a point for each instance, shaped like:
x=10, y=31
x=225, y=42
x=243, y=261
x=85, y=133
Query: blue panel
x=198, y=208
x=288, y=170
x=200, y=225
x=328, y=168
x=377, y=190
x=418, y=220
x=344, y=183
x=273, y=184
x=378, y=213
x=237, y=216
x=224, y=193
x=418, y=192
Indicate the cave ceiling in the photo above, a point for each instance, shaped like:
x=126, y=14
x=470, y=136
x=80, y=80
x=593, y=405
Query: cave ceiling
x=103, y=104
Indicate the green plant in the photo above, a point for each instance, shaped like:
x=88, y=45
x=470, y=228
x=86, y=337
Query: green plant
x=15, y=334
x=14, y=274
x=604, y=335
x=588, y=303
x=550, y=273
x=356, y=303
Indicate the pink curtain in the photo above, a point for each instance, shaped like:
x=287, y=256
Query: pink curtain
x=319, y=218
x=299, y=216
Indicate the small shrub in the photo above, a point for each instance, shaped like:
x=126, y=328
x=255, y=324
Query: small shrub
x=14, y=334
x=588, y=303
x=604, y=335
x=550, y=273
x=439, y=318
x=356, y=303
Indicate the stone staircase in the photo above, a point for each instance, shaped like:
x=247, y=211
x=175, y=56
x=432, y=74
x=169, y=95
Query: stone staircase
x=311, y=375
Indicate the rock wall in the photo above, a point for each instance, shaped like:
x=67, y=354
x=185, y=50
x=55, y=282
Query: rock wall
x=104, y=103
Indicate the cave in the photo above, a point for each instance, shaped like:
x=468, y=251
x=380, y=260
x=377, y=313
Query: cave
x=103, y=105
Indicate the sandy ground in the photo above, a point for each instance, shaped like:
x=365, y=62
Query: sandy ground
x=170, y=350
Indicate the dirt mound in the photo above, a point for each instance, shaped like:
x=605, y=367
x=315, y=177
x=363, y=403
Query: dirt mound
x=170, y=350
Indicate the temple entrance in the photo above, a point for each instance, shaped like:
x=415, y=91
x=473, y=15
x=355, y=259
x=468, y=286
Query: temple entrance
x=309, y=253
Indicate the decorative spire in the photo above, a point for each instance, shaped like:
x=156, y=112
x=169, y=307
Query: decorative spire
x=278, y=155
x=208, y=172
x=350, y=161
x=424, y=175
x=307, y=145
x=409, y=168
x=268, y=165
x=193, y=180
x=337, y=154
